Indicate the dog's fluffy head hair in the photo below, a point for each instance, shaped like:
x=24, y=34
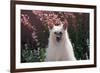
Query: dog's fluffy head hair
x=58, y=31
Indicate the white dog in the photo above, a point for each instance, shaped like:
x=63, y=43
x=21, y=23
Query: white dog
x=59, y=46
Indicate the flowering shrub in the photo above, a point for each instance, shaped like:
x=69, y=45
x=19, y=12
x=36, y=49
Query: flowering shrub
x=35, y=33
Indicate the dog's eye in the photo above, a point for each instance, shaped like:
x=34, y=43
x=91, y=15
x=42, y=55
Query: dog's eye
x=60, y=32
x=55, y=32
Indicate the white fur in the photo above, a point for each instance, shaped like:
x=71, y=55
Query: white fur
x=59, y=51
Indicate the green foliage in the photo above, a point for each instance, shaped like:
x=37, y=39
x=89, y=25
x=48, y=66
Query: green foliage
x=29, y=55
x=42, y=54
x=80, y=39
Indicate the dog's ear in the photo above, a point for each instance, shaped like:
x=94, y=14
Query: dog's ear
x=50, y=26
x=65, y=24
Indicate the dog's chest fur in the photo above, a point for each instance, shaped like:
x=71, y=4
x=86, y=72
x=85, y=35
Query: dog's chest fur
x=59, y=51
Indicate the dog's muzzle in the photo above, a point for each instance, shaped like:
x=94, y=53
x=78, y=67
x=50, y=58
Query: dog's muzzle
x=58, y=38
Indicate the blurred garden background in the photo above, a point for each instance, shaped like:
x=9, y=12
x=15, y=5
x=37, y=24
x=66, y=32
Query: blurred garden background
x=35, y=33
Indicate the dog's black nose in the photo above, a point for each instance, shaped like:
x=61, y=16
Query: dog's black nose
x=58, y=38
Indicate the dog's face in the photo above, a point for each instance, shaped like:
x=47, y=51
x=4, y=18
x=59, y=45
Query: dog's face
x=58, y=32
